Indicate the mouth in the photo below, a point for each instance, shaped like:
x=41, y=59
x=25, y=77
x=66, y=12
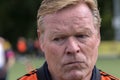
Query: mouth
x=74, y=63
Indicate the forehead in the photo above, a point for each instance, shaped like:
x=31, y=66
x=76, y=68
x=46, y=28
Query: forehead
x=73, y=16
x=80, y=9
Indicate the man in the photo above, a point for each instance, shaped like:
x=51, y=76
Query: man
x=2, y=60
x=7, y=58
x=69, y=36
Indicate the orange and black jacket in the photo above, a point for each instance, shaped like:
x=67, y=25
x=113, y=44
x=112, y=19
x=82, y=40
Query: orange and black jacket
x=43, y=74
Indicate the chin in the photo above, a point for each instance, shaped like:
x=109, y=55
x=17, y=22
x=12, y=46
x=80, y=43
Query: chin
x=74, y=75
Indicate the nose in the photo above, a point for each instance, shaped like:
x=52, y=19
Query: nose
x=72, y=46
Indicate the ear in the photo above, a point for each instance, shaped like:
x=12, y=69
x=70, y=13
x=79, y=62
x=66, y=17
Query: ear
x=98, y=39
x=39, y=39
x=38, y=33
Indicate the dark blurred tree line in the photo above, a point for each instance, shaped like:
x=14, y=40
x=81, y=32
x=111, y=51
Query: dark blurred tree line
x=106, y=12
x=18, y=18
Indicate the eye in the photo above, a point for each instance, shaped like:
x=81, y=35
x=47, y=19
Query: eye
x=59, y=39
x=56, y=39
x=82, y=36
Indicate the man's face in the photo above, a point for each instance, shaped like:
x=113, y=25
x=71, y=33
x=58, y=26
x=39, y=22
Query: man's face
x=70, y=43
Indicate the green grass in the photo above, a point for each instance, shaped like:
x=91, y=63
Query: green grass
x=108, y=65
x=19, y=68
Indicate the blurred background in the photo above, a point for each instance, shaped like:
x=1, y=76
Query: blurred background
x=18, y=28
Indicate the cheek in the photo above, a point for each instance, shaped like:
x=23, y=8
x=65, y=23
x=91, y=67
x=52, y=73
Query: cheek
x=89, y=47
x=49, y=51
x=90, y=50
x=93, y=50
x=53, y=56
x=52, y=52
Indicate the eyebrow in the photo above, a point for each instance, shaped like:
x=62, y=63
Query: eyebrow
x=83, y=30
x=60, y=33
x=57, y=33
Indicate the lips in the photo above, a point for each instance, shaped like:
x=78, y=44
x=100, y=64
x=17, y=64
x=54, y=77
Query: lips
x=73, y=62
x=74, y=65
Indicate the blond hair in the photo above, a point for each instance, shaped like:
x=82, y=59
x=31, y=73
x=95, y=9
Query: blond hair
x=51, y=6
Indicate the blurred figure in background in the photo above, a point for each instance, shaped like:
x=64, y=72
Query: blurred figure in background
x=10, y=55
x=7, y=58
x=22, y=46
x=2, y=60
x=30, y=46
x=37, y=49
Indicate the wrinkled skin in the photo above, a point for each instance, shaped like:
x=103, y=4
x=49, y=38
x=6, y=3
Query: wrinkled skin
x=70, y=43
